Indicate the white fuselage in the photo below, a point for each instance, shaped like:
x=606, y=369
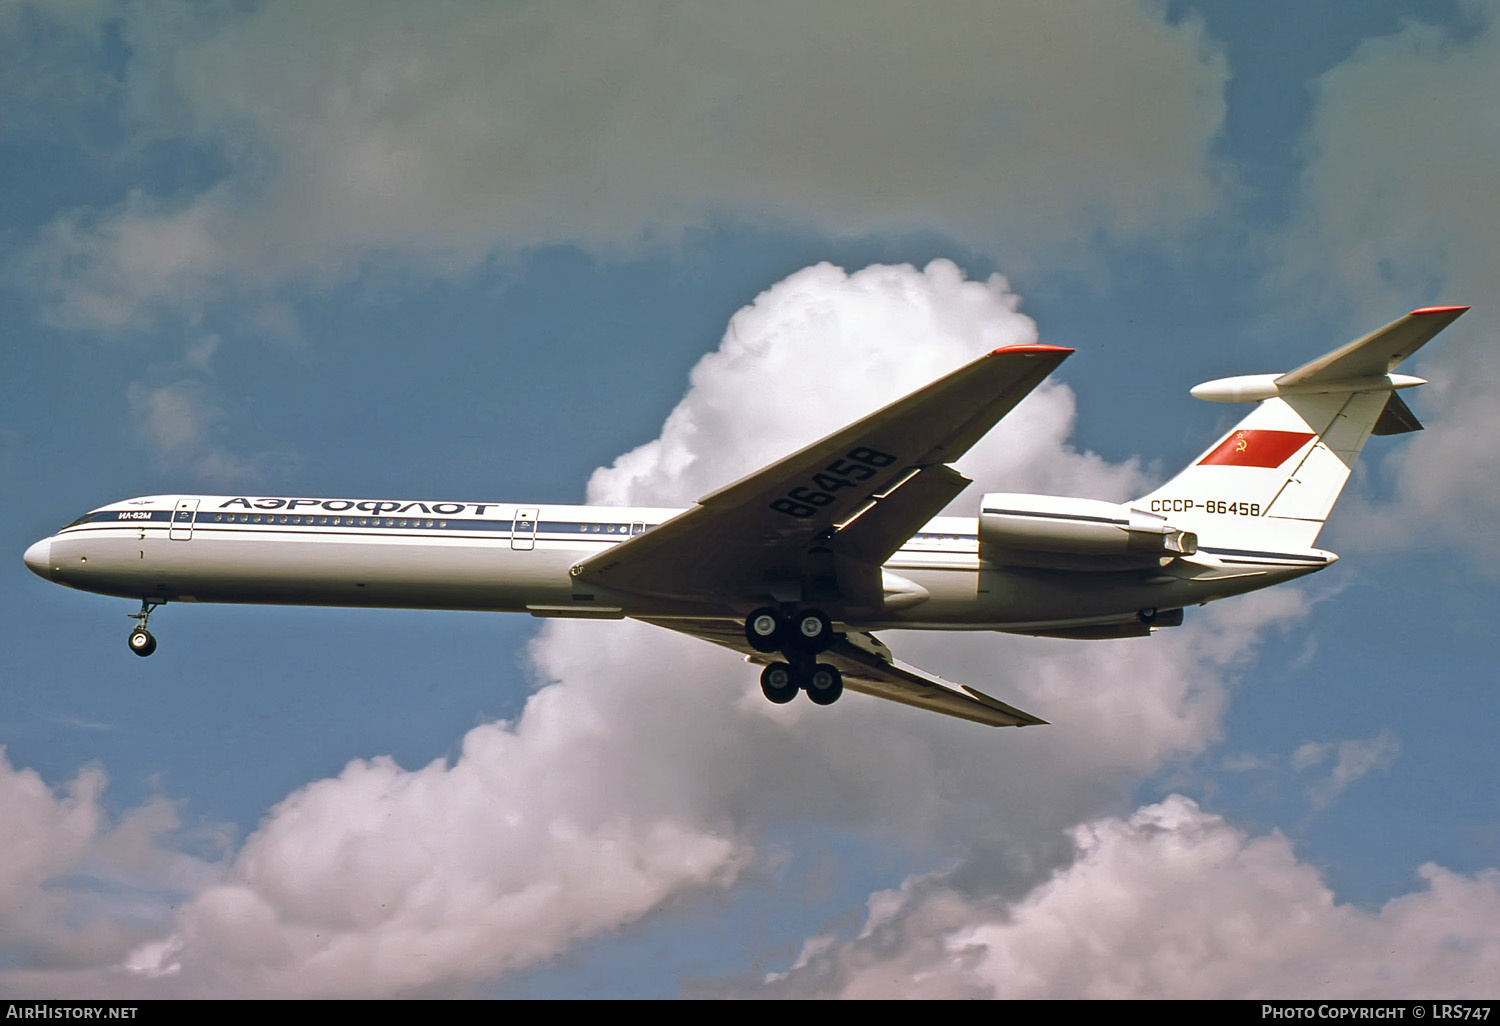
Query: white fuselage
x=509, y=558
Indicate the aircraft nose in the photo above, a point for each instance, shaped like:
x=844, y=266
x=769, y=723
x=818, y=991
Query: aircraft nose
x=39, y=558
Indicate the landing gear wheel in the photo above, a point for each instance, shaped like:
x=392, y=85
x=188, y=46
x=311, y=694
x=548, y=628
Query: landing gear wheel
x=825, y=684
x=813, y=630
x=1147, y=615
x=763, y=630
x=141, y=642
x=777, y=684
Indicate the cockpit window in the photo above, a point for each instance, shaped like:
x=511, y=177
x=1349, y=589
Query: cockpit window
x=81, y=520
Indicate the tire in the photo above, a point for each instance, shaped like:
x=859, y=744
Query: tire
x=1147, y=615
x=813, y=630
x=141, y=642
x=825, y=685
x=777, y=683
x=764, y=630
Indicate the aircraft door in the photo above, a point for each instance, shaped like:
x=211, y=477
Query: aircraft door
x=182, y=520
x=523, y=530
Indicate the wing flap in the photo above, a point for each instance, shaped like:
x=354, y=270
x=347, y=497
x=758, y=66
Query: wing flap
x=889, y=519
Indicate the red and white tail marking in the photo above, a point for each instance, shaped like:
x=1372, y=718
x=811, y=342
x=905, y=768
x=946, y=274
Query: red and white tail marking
x=1254, y=447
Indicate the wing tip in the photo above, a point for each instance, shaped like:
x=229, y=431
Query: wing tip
x=1018, y=717
x=1425, y=310
x=1031, y=348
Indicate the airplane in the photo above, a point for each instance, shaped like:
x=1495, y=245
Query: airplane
x=796, y=565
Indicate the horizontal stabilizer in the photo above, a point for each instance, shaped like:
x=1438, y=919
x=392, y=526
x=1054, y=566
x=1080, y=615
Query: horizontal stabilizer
x=1378, y=353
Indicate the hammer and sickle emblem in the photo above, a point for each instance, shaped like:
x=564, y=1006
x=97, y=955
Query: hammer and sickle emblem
x=1243, y=444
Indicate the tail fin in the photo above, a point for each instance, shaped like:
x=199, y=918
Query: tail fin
x=1272, y=480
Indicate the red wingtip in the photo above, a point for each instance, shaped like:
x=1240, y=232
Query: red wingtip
x=1438, y=309
x=1035, y=347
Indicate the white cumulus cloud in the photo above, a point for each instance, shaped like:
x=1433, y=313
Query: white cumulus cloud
x=1171, y=902
x=77, y=887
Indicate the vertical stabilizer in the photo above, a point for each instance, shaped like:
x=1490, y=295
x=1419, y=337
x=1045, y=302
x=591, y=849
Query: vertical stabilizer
x=1272, y=480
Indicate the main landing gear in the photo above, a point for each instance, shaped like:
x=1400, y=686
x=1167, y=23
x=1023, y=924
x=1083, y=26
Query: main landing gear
x=799, y=637
x=141, y=641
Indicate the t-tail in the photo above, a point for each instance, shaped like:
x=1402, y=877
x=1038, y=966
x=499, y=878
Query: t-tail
x=1272, y=480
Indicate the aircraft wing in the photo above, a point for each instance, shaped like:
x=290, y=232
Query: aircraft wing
x=858, y=494
x=868, y=667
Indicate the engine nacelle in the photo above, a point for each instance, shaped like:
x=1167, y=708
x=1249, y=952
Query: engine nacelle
x=1075, y=534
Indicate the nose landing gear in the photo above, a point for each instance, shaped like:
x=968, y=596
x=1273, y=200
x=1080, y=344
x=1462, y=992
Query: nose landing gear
x=141, y=641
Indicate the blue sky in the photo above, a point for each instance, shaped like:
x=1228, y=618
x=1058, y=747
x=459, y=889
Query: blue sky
x=484, y=251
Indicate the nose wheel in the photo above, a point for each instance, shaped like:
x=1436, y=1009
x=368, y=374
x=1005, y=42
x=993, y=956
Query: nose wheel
x=141, y=642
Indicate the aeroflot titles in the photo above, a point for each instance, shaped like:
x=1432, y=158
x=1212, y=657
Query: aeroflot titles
x=364, y=506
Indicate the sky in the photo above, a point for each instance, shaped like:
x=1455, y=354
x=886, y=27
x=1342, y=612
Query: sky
x=626, y=253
